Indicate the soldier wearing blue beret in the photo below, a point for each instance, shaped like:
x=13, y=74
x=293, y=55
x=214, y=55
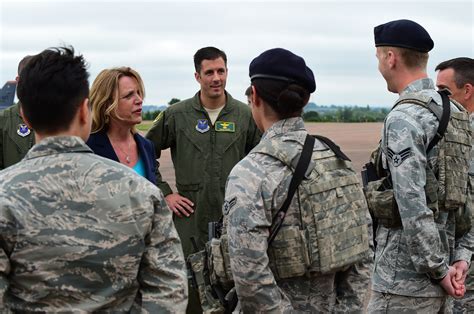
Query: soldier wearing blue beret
x=286, y=275
x=417, y=258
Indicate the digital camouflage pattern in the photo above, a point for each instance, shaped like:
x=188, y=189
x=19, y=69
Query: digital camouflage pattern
x=200, y=272
x=406, y=258
x=256, y=188
x=352, y=285
x=82, y=233
x=13, y=147
x=385, y=303
x=466, y=304
x=332, y=233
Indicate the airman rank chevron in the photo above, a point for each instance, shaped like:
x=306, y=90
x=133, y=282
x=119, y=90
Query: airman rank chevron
x=229, y=204
x=222, y=126
x=398, y=158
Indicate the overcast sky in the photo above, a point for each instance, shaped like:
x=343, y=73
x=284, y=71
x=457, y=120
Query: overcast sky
x=159, y=39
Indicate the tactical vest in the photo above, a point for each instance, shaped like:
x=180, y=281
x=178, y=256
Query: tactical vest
x=333, y=230
x=446, y=186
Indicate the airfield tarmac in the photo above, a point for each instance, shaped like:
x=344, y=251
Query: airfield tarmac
x=357, y=141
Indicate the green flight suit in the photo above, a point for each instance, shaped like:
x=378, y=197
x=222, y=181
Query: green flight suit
x=15, y=138
x=203, y=156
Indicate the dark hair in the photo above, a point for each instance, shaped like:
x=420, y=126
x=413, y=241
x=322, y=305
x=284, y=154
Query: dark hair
x=51, y=87
x=248, y=91
x=23, y=62
x=287, y=100
x=208, y=53
x=463, y=70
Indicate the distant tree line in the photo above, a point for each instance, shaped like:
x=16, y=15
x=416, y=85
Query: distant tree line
x=347, y=114
x=151, y=115
x=344, y=114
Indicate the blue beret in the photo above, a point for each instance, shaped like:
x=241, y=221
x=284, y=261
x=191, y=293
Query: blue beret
x=405, y=34
x=283, y=65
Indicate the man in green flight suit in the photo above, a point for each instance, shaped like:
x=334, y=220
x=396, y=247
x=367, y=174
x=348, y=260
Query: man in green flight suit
x=208, y=134
x=15, y=136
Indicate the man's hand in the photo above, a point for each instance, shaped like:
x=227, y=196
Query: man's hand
x=461, y=273
x=180, y=205
x=451, y=286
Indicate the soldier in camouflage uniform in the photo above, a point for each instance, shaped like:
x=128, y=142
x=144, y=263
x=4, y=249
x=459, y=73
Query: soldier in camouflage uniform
x=78, y=232
x=412, y=263
x=15, y=136
x=258, y=186
x=457, y=75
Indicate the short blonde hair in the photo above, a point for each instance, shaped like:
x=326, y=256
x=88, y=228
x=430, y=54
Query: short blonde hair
x=104, y=95
x=411, y=58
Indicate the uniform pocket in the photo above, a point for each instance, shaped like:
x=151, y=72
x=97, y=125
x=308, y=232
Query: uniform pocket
x=288, y=253
x=188, y=187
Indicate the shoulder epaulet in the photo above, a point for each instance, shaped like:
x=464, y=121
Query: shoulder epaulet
x=273, y=148
x=443, y=113
x=290, y=155
x=425, y=101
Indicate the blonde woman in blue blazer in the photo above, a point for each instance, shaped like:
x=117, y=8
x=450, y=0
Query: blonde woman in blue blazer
x=116, y=99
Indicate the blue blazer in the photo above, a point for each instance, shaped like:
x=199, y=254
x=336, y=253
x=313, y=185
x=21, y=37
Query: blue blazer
x=99, y=142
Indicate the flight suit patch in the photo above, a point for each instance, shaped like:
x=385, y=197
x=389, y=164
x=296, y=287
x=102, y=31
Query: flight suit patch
x=23, y=130
x=223, y=126
x=202, y=126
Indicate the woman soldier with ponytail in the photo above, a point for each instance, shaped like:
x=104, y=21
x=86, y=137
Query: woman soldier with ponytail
x=271, y=257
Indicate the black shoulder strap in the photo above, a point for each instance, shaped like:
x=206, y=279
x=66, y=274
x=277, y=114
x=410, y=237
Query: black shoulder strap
x=443, y=123
x=298, y=176
x=277, y=221
x=332, y=146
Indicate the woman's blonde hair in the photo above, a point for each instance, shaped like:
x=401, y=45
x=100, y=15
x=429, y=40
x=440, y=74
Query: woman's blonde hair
x=104, y=95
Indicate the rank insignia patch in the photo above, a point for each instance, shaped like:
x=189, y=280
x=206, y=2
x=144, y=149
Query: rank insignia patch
x=23, y=130
x=222, y=126
x=202, y=126
x=229, y=204
x=398, y=158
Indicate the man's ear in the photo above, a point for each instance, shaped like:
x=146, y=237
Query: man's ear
x=392, y=58
x=197, y=77
x=24, y=118
x=84, y=112
x=468, y=91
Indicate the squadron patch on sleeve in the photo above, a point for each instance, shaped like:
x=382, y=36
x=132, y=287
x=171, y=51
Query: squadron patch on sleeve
x=229, y=204
x=398, y=158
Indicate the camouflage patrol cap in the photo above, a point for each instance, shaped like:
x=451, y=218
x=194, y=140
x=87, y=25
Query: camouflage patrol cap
x=282, y=65
x=404, y=34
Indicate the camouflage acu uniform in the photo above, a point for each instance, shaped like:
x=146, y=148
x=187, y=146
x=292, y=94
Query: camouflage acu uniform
x=82, y=233
x=466, y=304
x=410, y=259
x=256, y=189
